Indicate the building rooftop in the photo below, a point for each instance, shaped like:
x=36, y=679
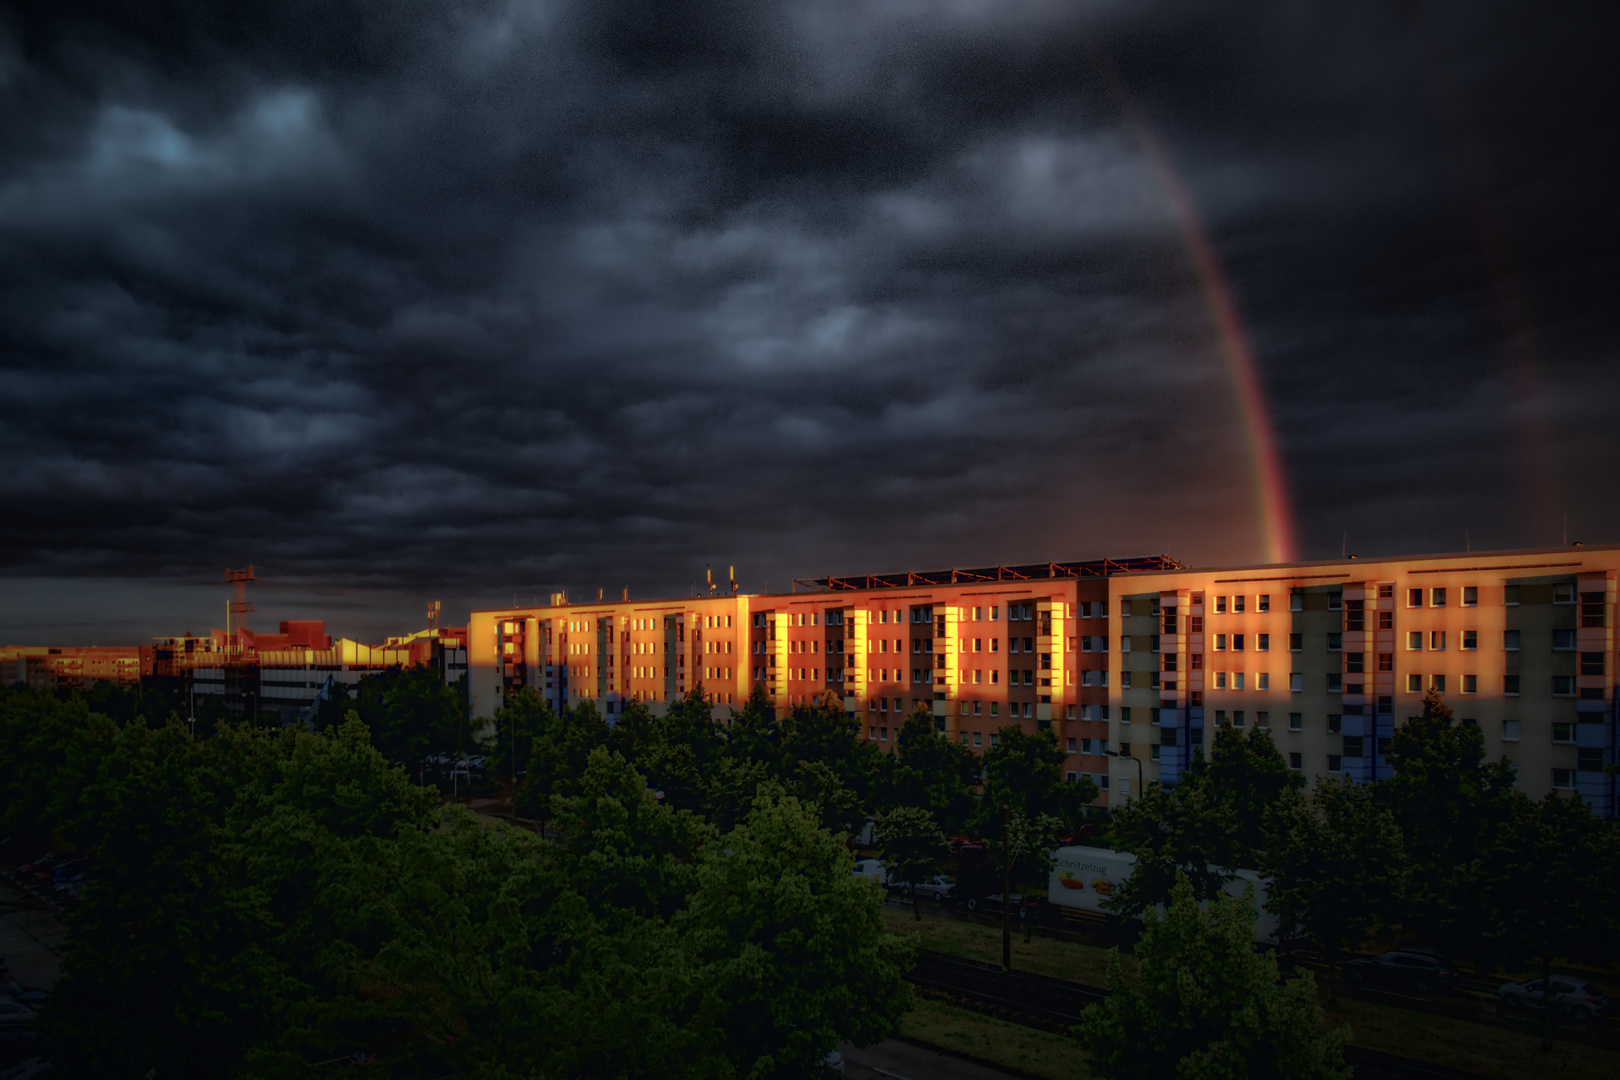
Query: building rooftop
x=1023, y=572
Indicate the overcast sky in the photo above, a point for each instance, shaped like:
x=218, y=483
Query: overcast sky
x=401, y=300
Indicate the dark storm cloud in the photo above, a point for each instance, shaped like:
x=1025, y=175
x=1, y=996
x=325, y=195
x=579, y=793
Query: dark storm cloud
x=525, y=296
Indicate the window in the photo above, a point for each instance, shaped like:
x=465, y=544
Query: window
x=977, y=736
x=1335, y=684
x=1589, y=759
x=1124, y=716
x=1295, y=760
x=1220, y=642
x=1262, y=602
x=1296, y=642
x=1237, y=642
x=1470, y=640
x=1470, y=684
x=1510, y=640
x=1296, y=682
x=1296, y=721
x=1414, y=684
x=1335, y=723
x=1591, y=663
x=1414, y=597
x=1437, y=598
x=1414, y=641
x=1237, y=605
x=1510, y=685
x=1510, y=731
x=1563, y=685
x=1335, y=601
x=1564, y=594
x=1564, y=640
x=1124, y=643
x=1237, y=680
x=1220, y=680
x=1333, y=763
x=1563, y=778
x=1335, y=642
x=1153, y=642
x=1237, y=718
x=1354, y=746
x=1592, y=609
x=1437, y=640
x=1262, y=642
x=1386, y=620
x=1125, y=680
x=1437, y=683
x=1263, y=681
x=1220, y=605
x=1072, y=747
x=995, y=613
x=1296, y=600
x=1470, y=596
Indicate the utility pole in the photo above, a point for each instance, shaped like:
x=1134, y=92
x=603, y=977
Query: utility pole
x=1006, y=887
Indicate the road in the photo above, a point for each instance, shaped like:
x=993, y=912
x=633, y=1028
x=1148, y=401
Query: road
x=896, y=1060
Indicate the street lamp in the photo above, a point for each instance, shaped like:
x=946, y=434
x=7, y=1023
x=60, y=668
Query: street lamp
x=1139, y=782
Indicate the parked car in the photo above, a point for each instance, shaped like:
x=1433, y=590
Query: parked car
x=31, y=996
x=871, y=868
x=1404, y=969
x=935, y=888
x=1581, y=1000
x=14, y=1014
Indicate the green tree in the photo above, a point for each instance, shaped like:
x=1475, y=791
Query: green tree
x=411, y=713
x=824, y=735
x=622, y=848
x=561, y=750
x=1549, y=882
x=1025, y=771
x=522, y=718
x=1335, y=862
x=1245, y=774
x=1031, y=843
x=933, y=773
x=910, y=844
x=1449, y=803
x=1173, y=832
x=1206, y=1005
x=791, y=945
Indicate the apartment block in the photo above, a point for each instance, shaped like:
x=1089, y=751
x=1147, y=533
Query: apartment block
x=979, y=649
x=1332, y=657
x=1131, y=664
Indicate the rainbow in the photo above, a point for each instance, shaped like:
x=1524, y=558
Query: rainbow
x=1276, y=519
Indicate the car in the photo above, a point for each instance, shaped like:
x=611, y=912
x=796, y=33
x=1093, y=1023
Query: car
x=14, y=1015
x=935, y=888
x=31, y=996
x=1581, y=1000
x=1404, y=969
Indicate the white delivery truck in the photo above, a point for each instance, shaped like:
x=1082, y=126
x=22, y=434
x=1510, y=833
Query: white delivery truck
x=1083, y=877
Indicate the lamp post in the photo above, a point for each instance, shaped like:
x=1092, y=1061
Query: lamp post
x=1006, y=887
x=1133, y=757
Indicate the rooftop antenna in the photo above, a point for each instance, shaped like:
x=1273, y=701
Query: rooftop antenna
x=708, y=573
x=598, y=596
x=626, y=594
x=433, y=614
x=733, y=581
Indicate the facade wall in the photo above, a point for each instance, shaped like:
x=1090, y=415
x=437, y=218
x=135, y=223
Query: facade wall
x=1332, y=657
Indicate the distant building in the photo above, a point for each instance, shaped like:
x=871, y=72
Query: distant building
x=290, y=671
x=70, y=667
x=1131, y=664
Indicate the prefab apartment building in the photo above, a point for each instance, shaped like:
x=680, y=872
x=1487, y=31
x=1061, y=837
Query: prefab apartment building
x=1130, y=664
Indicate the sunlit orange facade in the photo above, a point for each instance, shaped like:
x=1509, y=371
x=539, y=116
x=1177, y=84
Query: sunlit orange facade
x=1129, y=664
x=74, y=667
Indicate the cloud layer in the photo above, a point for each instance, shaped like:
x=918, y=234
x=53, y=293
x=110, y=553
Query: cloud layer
x=467, y=299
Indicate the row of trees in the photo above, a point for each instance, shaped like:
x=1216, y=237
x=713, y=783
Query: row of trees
x=710, y=768
x=1447, y=850
x=265, y=901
